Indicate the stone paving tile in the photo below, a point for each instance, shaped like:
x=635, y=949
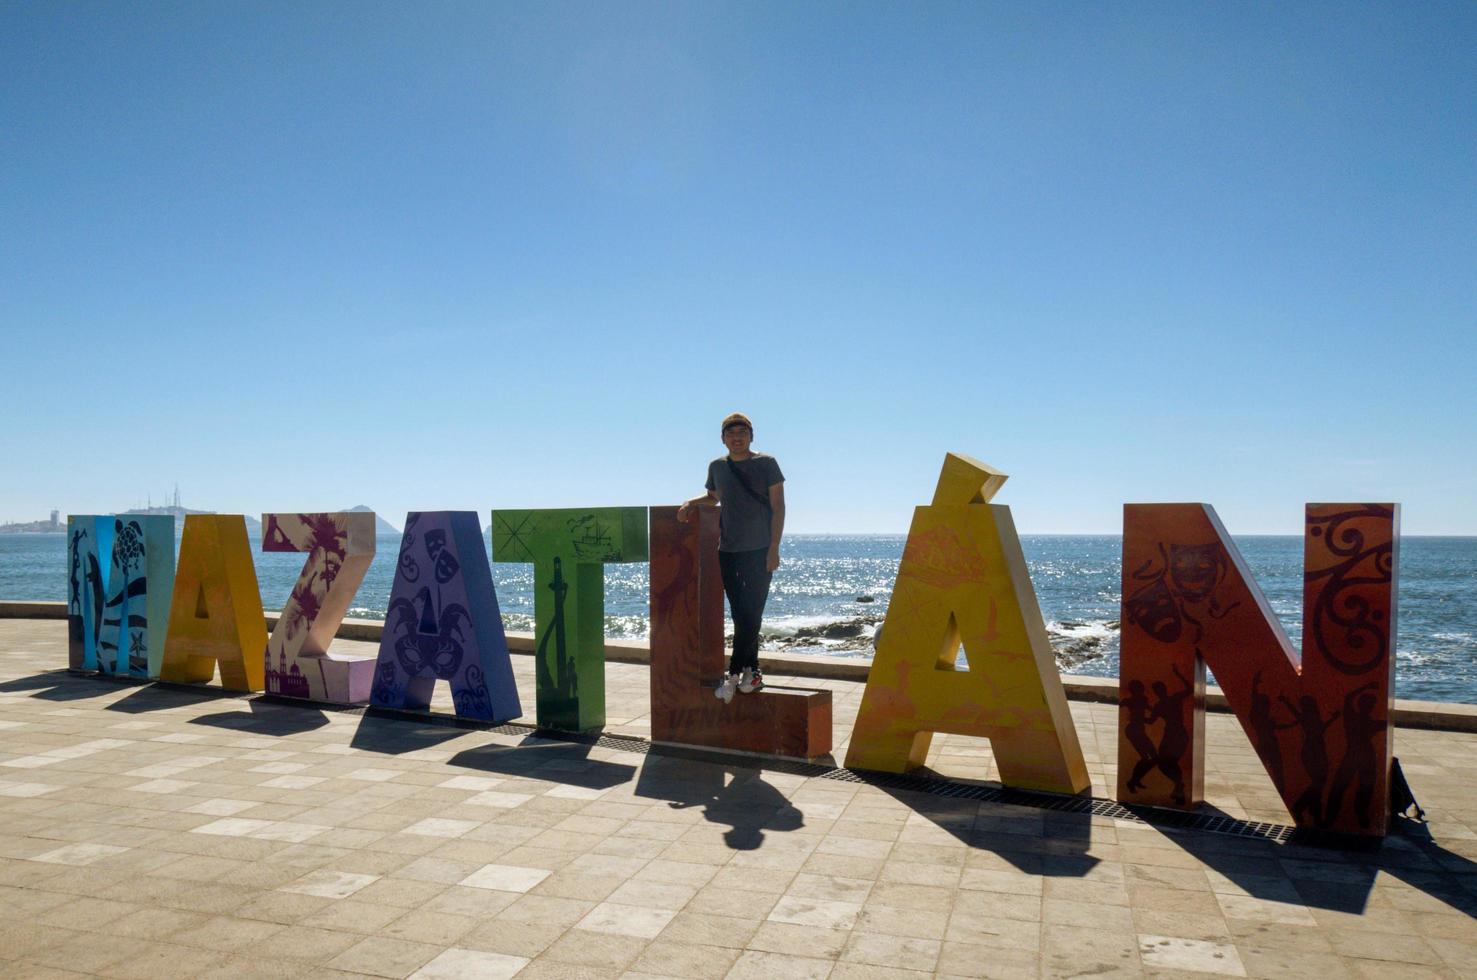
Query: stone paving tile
x=78, y=854
x=598, y=950
x=329, y=884
x=216, y=836
x=626, y=920
x=470, y=964
x=527, y=940
x=503, y=877
x=814, y=912
x=383, y=957
x=427, y=926
x=1172, y=953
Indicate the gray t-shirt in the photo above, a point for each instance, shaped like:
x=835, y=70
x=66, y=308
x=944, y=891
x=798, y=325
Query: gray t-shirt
x=744, y=521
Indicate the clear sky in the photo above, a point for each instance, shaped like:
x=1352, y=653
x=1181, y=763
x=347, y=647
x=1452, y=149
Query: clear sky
x=302, y=256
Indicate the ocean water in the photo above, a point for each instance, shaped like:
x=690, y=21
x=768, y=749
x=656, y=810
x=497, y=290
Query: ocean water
x=814, y=607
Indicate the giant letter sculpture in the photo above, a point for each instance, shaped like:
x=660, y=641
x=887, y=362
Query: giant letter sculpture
x=340, y=549
x=569, y=549
x=1320, y=723
x=89, y=542
x=687, y=656
x=216, y=615
x=963, y=575
x=140, y=585
x=444, y=623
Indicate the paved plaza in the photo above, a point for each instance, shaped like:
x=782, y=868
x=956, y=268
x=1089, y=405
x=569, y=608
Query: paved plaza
x=154, y=831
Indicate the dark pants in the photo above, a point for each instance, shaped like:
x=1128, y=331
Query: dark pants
x=746, y=582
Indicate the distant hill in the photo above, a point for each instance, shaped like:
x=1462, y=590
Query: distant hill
x=381, y=526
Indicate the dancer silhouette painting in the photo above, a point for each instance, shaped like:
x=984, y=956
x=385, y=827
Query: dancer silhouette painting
x=1135, y=711
x=1167, y=713
x=1174, y=741
x=1360, y=765
x=1307, y=716
x=1264, y=730
x=76, y=617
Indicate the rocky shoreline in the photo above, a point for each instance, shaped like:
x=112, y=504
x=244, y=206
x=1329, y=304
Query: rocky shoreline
x=1074, y=643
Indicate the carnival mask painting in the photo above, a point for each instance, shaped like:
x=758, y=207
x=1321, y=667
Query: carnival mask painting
x=1196, y=569
x=1154, y=610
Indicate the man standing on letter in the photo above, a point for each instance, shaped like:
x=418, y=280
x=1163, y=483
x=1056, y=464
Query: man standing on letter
x=751, y=490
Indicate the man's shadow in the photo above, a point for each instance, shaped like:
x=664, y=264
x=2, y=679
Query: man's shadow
x=747, y=804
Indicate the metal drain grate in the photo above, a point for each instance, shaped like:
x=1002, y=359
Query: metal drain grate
x=1094, y=806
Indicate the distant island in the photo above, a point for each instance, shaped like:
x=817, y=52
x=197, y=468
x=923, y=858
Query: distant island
x=55, y=524
x=381, y=526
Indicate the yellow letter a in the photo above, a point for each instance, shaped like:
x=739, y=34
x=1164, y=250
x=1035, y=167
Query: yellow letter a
x=216, y=613
x=963, y=577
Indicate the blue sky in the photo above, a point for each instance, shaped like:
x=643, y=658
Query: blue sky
x=422, y=256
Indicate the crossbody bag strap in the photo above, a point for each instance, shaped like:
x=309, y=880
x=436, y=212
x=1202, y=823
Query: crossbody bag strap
x=739, y=476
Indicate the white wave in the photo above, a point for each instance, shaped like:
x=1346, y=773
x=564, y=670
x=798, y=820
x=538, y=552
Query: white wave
x=1078, y=630
x=1415, y=658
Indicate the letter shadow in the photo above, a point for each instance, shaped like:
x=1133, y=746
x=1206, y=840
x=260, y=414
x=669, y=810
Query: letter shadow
x=396, y=736
x=1412, y=855
x=155, y=696
x=1032, y=839
x=59, y=685
x=268, y=718
x=1336, y=873
x=747, y=804
x=566, y=763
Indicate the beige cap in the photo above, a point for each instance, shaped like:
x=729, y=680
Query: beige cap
x=737, y=418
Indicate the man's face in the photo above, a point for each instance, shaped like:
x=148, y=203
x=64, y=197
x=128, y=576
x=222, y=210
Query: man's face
x=737, y=439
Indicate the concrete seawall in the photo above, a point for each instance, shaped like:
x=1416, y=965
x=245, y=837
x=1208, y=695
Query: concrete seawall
x=1436, y=715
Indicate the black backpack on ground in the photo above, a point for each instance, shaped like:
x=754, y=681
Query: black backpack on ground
x=1401, y=798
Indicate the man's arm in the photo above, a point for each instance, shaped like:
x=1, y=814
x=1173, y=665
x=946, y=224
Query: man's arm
x=776, y=525
x=709, y=498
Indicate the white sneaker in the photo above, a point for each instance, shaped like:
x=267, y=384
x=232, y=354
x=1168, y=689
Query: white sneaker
x=750, y=681
x=726, y=689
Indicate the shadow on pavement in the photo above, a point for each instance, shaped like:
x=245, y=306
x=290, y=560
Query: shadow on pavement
x=158, y=696
x=747, y=804
x=396, y=736
x=61, y=685
x=1035, y=841
x=555, y=762
x=266, y=718
x=1336, y=874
